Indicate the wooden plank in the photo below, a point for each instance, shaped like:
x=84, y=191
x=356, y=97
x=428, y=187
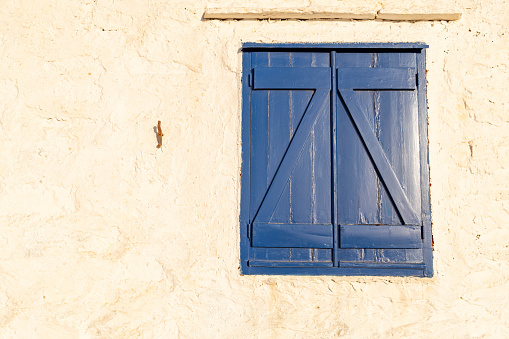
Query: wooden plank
x=338, y=46
x=321, y=155
x=321, y=169
x=322, y=254
x=400, y=255
x=358, y=59
x=290, y=254
x=377, y=78
x=302, y=176
x=288, y=13
x=392, y=255
x=280, y=254
x=246, y=164
x=415, y=255
x=389, y=123
x=269, y=254
x=351, y=155
x=369, y=236
x=357, y=196
x=291, y=77
x=302, y=59
x=318, y=101
x=292, y=235
x=420, y=14
x=334, y=156
x=259, y=119
x=301, y=254
x=350, y=271
x=399, y=137
x=349, y=254
x=378, y=155
x=378, y=265
x=278, y=59
x=279, y=134
x=258, y=253
x=345, y=12
x=264, y=263
x=367, y=193
x=424, y=164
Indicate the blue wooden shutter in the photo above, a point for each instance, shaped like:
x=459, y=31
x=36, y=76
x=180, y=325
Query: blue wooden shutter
x=290, y=165
x=335, y=178
x=379, y=195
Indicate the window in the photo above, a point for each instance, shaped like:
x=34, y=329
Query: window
x=335, y=175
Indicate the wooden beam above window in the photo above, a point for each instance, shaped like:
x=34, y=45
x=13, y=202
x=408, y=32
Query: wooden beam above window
x=388, y=13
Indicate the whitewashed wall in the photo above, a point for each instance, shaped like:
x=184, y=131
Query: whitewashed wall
x=102, y=235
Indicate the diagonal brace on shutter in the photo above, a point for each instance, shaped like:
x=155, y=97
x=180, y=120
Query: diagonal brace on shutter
x=285, y=169
x=379, y=157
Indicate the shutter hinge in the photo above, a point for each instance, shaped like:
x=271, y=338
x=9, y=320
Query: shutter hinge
x=250, y=79
x=249, y=230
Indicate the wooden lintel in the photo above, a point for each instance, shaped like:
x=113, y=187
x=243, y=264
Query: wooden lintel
x=242, y=13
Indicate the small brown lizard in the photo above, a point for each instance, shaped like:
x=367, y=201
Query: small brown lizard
x=160, y=135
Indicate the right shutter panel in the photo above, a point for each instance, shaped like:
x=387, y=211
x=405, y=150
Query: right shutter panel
x=379, y=212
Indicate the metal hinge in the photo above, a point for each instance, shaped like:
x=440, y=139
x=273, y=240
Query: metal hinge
x=250, y=79
x=249, y=230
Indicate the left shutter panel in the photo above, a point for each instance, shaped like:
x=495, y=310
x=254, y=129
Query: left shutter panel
x=290, y=160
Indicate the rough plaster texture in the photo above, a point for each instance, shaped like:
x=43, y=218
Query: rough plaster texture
x=105, y=236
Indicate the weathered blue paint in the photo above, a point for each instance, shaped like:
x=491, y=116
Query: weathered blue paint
x=245, y=194
x=371, y=236
x=313, y=270
x=334, y=196
x=291, y=77
x=385, y=265
x=292, y=235
x=258, y=141
x=278, y=134
x=357, y=201
x=424, y=164
x=336, y=46
x=320, y=198
x=276, y=118
x=288, y=162
x=264, y=263
x=378, y=156
x=377, y=78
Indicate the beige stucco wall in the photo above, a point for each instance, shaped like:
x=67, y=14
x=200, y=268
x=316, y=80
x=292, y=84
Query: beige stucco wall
x=104, y=235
